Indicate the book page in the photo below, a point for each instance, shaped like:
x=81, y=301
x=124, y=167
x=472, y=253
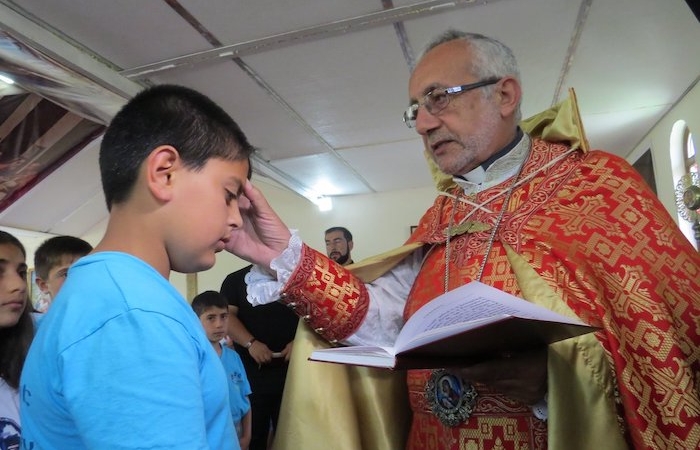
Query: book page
x=462, y=326
x=357, y=355
x=360, y=350
x=472, y=302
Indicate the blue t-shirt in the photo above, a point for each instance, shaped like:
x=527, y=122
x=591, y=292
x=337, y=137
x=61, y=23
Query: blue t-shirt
x=238, y=386
x=121, y=362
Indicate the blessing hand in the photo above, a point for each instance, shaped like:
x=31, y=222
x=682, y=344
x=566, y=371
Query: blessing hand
x=263, y=235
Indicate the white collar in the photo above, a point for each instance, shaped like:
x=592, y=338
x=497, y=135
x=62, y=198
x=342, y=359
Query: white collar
x=503, y=168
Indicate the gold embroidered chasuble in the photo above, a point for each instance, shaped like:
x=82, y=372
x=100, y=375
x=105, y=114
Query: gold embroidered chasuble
x=637, y=280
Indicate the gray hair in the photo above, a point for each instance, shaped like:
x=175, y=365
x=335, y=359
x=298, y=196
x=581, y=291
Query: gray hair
x=490, y=57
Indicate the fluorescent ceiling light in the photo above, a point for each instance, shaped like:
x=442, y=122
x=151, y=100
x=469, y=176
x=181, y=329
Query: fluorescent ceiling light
x=7, y=80
x=324, y=203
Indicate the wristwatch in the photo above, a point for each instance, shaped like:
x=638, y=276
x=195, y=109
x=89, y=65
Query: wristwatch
x=249, y=343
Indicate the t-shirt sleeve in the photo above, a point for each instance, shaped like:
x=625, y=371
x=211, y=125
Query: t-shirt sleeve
x=134, y=383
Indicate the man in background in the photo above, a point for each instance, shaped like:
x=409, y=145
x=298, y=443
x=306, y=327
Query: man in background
x=338, y=245
x=263, y=337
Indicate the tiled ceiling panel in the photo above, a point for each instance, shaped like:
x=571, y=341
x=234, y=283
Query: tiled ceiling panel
x=267, y=126
x=328, y=84
x=234, y=21
x=127, y=34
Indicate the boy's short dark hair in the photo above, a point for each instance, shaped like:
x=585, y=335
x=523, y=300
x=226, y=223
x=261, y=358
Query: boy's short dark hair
x=346, y=233
x=52, y=251
x=166, y=115
x=207, y=299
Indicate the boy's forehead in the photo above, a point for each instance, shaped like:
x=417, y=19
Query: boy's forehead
x=235, y=171
x=66, y=260
x=214, y=309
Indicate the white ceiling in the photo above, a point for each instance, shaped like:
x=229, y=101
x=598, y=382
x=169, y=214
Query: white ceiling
x=319, y=85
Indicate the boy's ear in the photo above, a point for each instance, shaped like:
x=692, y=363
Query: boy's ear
x=43, y=285
x=161, y=164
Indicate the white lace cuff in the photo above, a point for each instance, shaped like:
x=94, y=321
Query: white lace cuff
x=262, y=287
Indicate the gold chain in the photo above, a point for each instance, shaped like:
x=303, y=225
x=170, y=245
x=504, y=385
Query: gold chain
x=509, y=192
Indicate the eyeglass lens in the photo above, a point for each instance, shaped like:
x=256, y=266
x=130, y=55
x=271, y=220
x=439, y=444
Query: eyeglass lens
x=438, y=99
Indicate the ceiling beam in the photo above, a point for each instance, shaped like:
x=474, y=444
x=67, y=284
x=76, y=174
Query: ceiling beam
x=581, y=18
x=334, y=28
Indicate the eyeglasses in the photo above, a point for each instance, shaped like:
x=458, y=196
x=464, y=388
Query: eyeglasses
x=438, y=99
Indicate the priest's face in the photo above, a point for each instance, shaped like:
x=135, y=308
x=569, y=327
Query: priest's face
x=465, y=133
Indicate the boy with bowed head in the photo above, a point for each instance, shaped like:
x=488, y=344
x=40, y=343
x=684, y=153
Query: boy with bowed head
x=130, y=364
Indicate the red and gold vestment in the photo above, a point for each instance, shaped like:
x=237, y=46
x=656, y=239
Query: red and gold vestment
x=584, y=237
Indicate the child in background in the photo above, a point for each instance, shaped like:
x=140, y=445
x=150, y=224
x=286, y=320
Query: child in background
x=51, y=262
x=120, y=361
x=16, y=332
x=212, y=309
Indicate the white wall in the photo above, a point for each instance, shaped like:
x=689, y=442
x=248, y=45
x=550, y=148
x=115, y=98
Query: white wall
x=658, y=140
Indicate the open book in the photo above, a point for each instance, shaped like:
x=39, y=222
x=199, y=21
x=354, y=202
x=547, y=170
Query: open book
x=472, y=323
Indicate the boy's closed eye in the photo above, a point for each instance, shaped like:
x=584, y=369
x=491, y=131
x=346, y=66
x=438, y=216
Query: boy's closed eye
x=230, y=196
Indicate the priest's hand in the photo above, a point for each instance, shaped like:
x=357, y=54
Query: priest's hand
x=521, y=376
x=263, y=235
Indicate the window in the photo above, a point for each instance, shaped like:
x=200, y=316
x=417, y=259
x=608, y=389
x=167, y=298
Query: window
x=683, y=160
x=691, y=163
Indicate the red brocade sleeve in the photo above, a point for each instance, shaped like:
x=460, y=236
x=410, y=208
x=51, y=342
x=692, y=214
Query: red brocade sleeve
x=327, y=296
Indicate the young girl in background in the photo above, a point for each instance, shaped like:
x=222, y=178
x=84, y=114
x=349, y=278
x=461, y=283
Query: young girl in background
x=16, y=333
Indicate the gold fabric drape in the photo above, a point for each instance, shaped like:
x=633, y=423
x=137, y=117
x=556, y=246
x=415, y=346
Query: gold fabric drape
x=340, y=407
